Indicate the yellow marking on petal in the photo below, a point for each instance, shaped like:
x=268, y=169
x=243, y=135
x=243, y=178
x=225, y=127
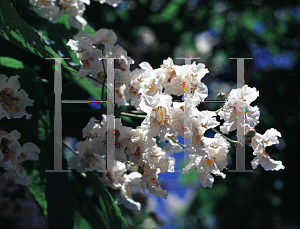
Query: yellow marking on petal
x=24, y=156
x=94, y=162
x=204, y=125
x=213, y=146
x=140, y=79
x=18, y=165
x=265, y=153
x=197, y=137
x=166, y=123
x=10, y=108
x=209, y=161
x=88, y=64
x=152, y=88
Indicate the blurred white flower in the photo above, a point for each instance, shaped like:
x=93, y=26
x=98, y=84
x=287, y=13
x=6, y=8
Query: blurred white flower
x=205, y=41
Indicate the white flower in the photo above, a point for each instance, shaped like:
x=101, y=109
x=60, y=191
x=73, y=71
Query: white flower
x=263, y=158
x=87, y=159
x=133, y=86
x=114, y=176
x=9, y=148
x=158, y=118
x=82, y=46
x=120, y=98
x=217, y=148
x=203, y=122
x=29, y=151
x=150, y=181
x=106, y=37
x=156, y=158
x=259, y=143
x=270, y=137
x=180, y=79
x=238, y=104
x=150, y=80
x=205, y=166
x=53, y=10
x=89, y=130
x=125, y=195
x=18, y=175
x=13, y=101
x=138, y=144
x=122, y=136
x=11, y=154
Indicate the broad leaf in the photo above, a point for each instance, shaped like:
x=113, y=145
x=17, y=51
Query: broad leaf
x=16, y=31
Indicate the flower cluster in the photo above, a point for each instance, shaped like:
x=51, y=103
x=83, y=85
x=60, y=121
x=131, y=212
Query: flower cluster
x=54, y=9
x=13, y=102
x=151, y=91
x=138, y=157
x=12, y=154
x=89, y=51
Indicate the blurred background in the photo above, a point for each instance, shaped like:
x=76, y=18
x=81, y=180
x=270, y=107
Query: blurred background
x=152, y=31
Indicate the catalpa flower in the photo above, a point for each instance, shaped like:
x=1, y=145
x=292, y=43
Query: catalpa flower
x=53, y=10
x=259, y=143
x=106, y=37
x=205, y=166
x=12, y=154
x=122, y=136
x=17, y=173
x=90, y=129
x=180, y=79
x=238, y=105
x=132, y=179
x=87, y=159
x=13, y=101
x=155, y=158
x=150, y=181
x=158, y=118
x=217, y=148
x=138, y=144
x=9, y=147
x=113, y=177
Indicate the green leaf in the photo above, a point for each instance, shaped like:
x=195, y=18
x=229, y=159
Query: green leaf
x=80, y=221
x=37, y=189
x=86, y=206
x=11, y=62
x=16, y=31
x=110, y=209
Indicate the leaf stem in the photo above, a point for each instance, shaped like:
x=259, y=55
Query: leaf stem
x=176, y=142
x=228, y=139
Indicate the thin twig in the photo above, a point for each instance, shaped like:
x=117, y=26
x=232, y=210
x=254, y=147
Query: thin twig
x=230, y=140
x=176, y=141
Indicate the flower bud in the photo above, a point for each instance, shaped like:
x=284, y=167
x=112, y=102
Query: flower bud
x=250, y=133
x=248, y=141
x=221, y=96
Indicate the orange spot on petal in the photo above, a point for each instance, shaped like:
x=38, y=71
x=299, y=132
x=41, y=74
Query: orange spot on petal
x=209, y=161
